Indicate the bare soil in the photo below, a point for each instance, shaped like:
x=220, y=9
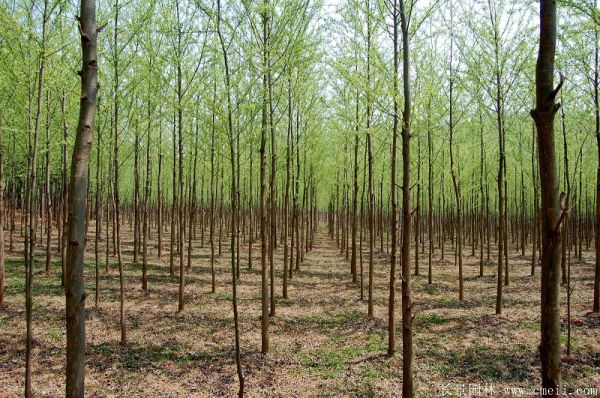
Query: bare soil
x=322, y=343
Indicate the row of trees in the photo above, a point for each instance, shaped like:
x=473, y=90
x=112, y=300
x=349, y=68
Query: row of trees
x=191, y=108
x=196, y=96
x=490, y=88
x=472, y=126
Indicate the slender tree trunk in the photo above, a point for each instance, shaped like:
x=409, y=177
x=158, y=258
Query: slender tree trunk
x=596, y=303
x=78, y=187
x=98, y=223
x=30, y=240
x=418, y=207
x=250, y=205
x=136, y=193
x=535, y=204
x=47, y=195
x=234, y=197
x=180, y=201
x=147, y=192
x=173, y=231
x=355, y=187
x=394, y=196
x=430, y=195
x=159, y=193
x=543, y=116
x=286, y=198
x=2, y=213
x=116, y=200
x=193, y=203
x=456, y=184
x=212, y=194
x=263, y=211
x=370, y=310
x=481, y=194
x=567, y=183
x=407, y=310
x=273, y=201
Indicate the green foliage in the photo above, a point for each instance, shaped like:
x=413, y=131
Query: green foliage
x=318, y=57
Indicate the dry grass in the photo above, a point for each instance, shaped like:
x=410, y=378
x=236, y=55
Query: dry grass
x=321, y=341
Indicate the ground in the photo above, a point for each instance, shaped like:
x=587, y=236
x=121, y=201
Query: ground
x=322, y=343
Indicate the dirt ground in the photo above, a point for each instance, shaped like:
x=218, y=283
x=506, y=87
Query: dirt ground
x=322, y=343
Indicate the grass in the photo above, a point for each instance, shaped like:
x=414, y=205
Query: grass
x=54, y=335
x=329, y=362
x=444, y=300
x=489, y=363
x=434, y=319
x=16, y=284
x=224, y=296
x=138, y=357
x=531, y=325
x=322, y=343
x=435, y=352
x=325, y=322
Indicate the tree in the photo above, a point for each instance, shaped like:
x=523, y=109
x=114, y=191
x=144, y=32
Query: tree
x=394, y=195
x=2, y=213
x=455, y=183
x=371, y=195
x=180, y=198
x=234, y=198
x=77, y=207
x=31, y=205
x=407, y=310
x=116, y=198
x=263, y=212
x=543, y=115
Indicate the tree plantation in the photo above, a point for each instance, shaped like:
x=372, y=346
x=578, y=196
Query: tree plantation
x=298, y=198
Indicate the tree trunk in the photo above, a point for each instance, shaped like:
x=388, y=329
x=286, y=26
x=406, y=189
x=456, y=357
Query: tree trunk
x=2, y=213
x=407, y=310
x=429, y=194
x=65, y=193
x=77, y=208
x=116, y=200
x=47, y=196
x=213, y=189
x=159, y=192
x=147, y=192
x=543, y=116
x=355, y=188
x=263, y=210
x=30, y=240
x=234, y=197
x=596, y=303
x=371, y=199
x=180, y=201
x=393, y=218
x=273, y=200
x=286, y=198
x=98, y=223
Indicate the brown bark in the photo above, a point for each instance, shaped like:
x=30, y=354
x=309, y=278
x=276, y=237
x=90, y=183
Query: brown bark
x=234, y=204
x=263, y=210
x=393, y=216
x=77, y=207
x=371, y=198
x=30, y=239
x=180, y=201
x=116, y=198
x=596, y=83
x=543, y=116
x=407, y=310
x=47, y=197
x=1, y=213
